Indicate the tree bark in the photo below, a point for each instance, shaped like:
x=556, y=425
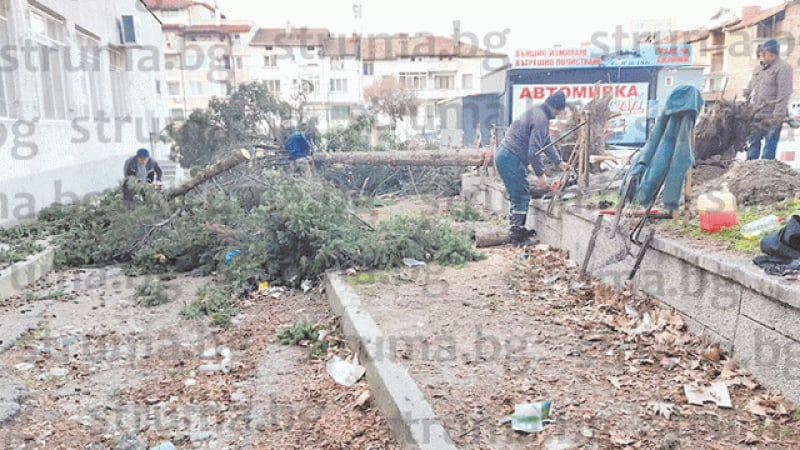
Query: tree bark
x=485, y=234
x=433, y=158
x=227, y=163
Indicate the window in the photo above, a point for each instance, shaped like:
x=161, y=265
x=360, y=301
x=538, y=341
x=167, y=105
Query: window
x=765, y=29
x=173, y=88
x=466, y=81
x=239, y=62
x=340, y=112
x=369, y=68
x=307, y=85
x=271, y=61
x=430, y=115
x=338, y=85
x=172, y=62
x=204, y=89
x=158, y=87
x=120, y=91
x=176, y=114
x=8, y=91
x=274, y=86
x=337, y=63
x=444, y=82
x=414, y=80
x=48, y=34
x=90, y=79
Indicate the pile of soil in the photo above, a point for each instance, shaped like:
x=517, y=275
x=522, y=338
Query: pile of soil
x=760, y=182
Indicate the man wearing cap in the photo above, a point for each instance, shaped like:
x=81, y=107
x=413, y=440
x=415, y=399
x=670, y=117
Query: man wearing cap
x=142, y=168
x=524, y=139
x=769, y=91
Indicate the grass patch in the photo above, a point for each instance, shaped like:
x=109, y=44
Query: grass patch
x=18, y=252
x=465, y=212
x=151, y=294
x=369, y=202
x=733, y=235
x=214, y=303
x=303, y=333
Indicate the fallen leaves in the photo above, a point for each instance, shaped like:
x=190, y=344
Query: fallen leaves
x=665, y=410
x=769, y=406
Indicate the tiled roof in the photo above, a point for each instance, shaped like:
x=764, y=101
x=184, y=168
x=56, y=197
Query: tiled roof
x=341, y=46
x=763, y=15
x=298, y=37
x=392, y=47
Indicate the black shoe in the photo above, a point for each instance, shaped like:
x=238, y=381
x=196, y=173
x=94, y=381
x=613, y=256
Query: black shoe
x=518, y=234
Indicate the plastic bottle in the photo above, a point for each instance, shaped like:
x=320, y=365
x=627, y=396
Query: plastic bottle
x=761, y=226
x=717, y=210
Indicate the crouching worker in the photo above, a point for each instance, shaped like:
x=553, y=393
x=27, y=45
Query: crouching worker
x=140, y=168
x=526, y=136
x=299, y=148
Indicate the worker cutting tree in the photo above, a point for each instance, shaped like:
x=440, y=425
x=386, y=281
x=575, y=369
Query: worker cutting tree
x=521, y=147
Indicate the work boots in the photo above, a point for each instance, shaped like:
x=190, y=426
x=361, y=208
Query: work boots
x=518, y=233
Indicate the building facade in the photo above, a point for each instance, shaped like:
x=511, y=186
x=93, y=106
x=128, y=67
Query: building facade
x=82, y=89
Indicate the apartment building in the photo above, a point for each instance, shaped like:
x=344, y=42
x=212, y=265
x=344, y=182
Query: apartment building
x=204, y=53
x=727, y=49
x=438, y=68
x=82, y=88
x=308, y=66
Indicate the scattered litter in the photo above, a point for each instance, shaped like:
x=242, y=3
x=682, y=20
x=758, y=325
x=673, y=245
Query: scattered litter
x=715, y=393
x=59, y=373
x=344, y=372
x=524, y=256
x=306, y=286
x=209, y=353
x=413, y=263
x=528, y=417
x=189, y=382
x=230, y=254
x=263, y=286
x=670, y=363
x=210, y=368
x=363, y=399
x=164, y=446
x=559, y=443
x=24, y=367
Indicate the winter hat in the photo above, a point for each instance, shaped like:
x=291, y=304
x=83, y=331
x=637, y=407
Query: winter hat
x=557, y=101
x=771, y=46
x=142, y=153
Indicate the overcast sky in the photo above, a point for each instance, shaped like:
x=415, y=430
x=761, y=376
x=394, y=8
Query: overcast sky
x=532, y=24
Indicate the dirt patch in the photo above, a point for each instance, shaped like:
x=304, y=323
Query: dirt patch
x=705, y=173
x=512, y=329
x=758, y=182
x=102, y=371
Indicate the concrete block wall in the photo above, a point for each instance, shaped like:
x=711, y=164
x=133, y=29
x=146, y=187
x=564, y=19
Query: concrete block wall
x=754, y=316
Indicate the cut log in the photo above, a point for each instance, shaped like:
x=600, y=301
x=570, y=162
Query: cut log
x=433, y=158
x=485, y=234
x=225, y=164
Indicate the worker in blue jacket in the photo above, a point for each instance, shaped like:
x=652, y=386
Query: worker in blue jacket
x=299, y=148
x=524, y=139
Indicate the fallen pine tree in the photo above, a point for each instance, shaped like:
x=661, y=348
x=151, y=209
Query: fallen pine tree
x=302, y=228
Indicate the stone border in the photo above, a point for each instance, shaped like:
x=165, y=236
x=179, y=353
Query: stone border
x=754, y=316
x=22, y=274
x=411, y=418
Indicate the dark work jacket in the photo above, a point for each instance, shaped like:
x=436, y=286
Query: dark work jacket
x=153, y=170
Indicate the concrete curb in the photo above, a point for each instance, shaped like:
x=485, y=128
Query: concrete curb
x=411, y=418
x=18, y=276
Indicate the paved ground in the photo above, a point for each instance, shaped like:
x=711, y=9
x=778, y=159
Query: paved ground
x=85, y=367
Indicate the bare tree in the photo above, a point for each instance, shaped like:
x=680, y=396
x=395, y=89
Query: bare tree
x=392, y=98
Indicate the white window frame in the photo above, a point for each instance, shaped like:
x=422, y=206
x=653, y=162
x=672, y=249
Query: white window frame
x=444, y=82
x=368, y=69
x=338, y=85
x=337, y=63
x=90, y=76
x=120, y=88
x=273, y=86
x=271, y=61
x=467, y=77
x=52, y=81
x=414, y=80
x=174, y=92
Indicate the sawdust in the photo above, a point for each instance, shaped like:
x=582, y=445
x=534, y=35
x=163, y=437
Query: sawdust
x=760, y=182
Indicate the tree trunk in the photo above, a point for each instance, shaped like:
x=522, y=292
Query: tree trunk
x=485, y=234
x=436, y=158
x=225, y=164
